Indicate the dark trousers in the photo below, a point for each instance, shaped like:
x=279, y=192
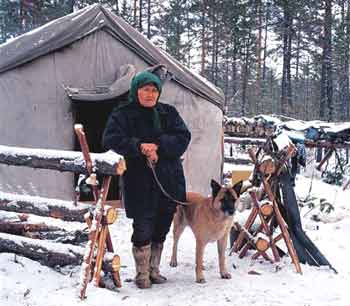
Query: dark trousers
x=152, y=228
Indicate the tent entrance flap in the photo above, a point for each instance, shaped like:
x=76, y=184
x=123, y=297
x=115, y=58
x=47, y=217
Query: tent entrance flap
x=93, y=116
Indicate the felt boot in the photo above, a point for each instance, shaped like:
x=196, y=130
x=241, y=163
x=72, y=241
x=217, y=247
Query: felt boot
x=156, y=253
x=142, y=257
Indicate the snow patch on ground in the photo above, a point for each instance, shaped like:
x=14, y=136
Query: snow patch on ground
x=26, y=282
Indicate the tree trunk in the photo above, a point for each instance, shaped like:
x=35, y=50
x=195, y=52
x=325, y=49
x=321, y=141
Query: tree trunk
x=286, y=97
x=258, y=57
x=49, y=254
x=346, y=64
x=203, y=45
x=326, y=105
x=149, y=19
x=117, y=7
x=140, y=16
x=105, y=163
x=64, y=210
x=135, y=13
x=267, y=17
x=344, y=82
x=245, y=79
x=234, y=70
x=214, y=45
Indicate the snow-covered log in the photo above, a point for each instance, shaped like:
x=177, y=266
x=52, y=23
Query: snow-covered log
x=44, y=231
x=65, y=210
x=50, y=254
x=238, y=161
x=108, y=163
x=308, y=143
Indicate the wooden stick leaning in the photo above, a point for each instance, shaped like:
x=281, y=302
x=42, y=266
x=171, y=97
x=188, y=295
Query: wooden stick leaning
x=283, y=226
x=99, y=233
x=86, y=153
x=109, y=218
x=78, y=128
x=93, y=235
x=239, y=242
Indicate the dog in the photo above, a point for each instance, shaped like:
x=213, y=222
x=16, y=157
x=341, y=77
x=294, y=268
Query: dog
x=210, y=219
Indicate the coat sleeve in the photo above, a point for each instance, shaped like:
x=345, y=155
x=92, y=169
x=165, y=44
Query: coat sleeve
x=174, y=141
x=116, y=138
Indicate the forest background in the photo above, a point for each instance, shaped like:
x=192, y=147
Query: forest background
x=268, y=56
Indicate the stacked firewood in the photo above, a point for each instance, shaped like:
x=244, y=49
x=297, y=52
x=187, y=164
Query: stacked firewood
x=47, y=230
x=51, y=231
x=35, y=219
x=259, y=126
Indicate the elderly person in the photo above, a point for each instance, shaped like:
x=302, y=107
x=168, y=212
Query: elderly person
x=141, y=129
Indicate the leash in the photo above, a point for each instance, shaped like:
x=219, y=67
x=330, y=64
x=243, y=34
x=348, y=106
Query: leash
x=167, y=195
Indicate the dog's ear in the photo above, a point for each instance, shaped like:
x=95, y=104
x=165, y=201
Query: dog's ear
x=215, y=187
x=237, y=187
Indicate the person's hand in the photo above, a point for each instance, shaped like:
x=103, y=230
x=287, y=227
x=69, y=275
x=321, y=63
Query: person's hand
x=147, y=148
x=152, y=156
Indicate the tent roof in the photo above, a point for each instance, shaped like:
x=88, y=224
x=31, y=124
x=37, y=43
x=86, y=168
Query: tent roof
x=68, y=29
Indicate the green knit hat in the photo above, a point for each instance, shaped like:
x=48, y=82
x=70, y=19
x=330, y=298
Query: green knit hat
x=140, y=80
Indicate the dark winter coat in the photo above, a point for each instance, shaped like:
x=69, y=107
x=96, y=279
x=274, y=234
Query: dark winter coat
x=132, y=125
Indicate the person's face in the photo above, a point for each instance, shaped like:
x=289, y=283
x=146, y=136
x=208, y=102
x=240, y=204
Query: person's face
x=148, y=95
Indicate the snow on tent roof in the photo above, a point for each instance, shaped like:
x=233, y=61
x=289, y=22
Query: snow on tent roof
x=68, y=29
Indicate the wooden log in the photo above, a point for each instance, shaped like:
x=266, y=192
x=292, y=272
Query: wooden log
x=64, y=210
x=325, y=158
x=267, y=165
x=266, y=208
x=6, y=216
x=111, y=215
x=115, y=273
x=19, y=228
x=261, y=244
x=246, y=140
x=108, y=163
x=48, y=253
x=237, y=161
x=101, y=247
x=78, y=128
x=326, y=144
x=44, y=232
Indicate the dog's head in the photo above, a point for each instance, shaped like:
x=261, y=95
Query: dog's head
x=226, y=198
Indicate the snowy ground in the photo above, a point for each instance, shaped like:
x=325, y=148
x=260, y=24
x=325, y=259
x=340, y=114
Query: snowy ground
x=26, y=282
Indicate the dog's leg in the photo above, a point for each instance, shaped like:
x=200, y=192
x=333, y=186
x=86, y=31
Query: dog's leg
x=222, y=244
x=179, y=225
x=200, y=246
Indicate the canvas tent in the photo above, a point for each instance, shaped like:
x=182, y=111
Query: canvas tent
x=85, y=50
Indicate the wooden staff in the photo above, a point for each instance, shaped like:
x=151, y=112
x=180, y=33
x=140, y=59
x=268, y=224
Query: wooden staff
x=78, y=128
x=326, y=157
x=100, y=253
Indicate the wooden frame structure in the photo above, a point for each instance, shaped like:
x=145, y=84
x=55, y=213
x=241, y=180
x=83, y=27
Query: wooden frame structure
x=268, y=213
x=99, y=236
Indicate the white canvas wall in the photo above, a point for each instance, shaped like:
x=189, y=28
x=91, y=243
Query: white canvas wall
x=35, y=112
